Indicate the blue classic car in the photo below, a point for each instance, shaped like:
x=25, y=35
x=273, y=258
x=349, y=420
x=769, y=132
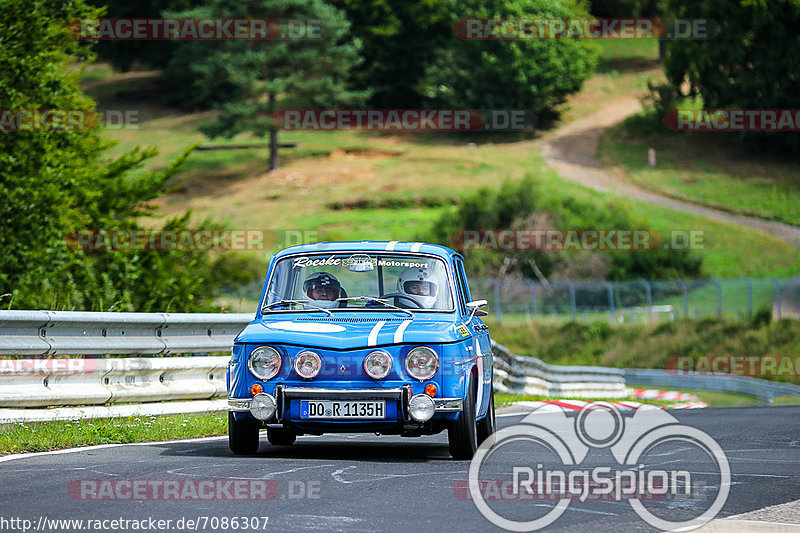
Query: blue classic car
x=372, y=337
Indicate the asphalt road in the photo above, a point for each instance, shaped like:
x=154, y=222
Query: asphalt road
x=368, y=483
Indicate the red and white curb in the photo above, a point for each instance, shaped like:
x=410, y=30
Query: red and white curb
x=653, y=394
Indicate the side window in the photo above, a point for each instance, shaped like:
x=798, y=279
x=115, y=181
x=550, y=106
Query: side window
x=462, y=293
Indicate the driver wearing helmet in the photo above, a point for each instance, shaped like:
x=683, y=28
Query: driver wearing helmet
x=418, y=285
x=322, y=289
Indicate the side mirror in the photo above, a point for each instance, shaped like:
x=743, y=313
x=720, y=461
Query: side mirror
x=475, y=308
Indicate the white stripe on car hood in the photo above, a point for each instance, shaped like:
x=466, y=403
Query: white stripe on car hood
x=391, y=245
x=372, y=340
x=416, y=246
x=398, y=335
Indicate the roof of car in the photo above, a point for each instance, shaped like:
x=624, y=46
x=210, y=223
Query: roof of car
x=369, y=246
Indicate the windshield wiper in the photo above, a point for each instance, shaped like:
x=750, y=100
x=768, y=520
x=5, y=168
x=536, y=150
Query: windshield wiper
x=306, y=306
x=378, y=300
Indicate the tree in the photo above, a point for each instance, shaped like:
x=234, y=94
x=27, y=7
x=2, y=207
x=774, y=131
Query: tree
x=122, y=54
x=55, y=182
x=753, y=62
x=530, y=74
x=400, y=40
x=256, y=74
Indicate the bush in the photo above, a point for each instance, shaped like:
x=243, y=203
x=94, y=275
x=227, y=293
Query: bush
x=530, y=74
x=525, y=205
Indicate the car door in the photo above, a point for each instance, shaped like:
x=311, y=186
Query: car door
x=480, y=336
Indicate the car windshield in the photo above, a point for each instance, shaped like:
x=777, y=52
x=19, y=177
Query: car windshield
x=382, y=281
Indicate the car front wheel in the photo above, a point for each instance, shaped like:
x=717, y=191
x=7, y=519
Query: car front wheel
x=462, y=433
x=242, y=436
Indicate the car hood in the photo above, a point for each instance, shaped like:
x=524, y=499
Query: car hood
x=348, y=333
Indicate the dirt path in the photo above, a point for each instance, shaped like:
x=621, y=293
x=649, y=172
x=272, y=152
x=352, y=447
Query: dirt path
x=572, y=151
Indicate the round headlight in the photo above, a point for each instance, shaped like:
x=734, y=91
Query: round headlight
x=377, y=364
x=264, y=362
x=422, y=363
x=307, y=364
x=262, y=406
x=421, y=408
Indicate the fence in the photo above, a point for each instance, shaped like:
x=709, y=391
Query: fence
x=637, y=301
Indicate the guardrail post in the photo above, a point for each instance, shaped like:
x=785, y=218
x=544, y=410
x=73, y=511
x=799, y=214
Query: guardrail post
x=497, y=311
x=534, y=303
x=572, y=302
x=777, y=295
x=685, y=298
x=648, y=291
x=610, y=289
x=749, y=297
x=716, y=282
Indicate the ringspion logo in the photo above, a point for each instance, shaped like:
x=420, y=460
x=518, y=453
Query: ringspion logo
x=550, y=461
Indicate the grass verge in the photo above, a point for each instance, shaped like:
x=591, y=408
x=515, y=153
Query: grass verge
x=713, y=399
x=46, y=436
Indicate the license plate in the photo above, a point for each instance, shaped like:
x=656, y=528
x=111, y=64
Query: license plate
x=341, y=409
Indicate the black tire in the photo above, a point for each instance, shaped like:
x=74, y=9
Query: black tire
x=488, y=425
x=281, y=437
x=462, y=434
x=242, y=436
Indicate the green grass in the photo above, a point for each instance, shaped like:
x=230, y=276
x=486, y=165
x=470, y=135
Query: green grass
x=711, y=169
x=713, y=399
x=45, y=436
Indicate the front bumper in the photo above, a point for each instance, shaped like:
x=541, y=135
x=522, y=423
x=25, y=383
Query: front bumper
x=284, y=395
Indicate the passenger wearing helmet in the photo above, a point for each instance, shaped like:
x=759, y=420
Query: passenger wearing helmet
x=322, y=289
x=418, y=285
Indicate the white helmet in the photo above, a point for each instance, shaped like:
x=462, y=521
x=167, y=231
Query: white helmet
x=323, y=280
x=417, y=284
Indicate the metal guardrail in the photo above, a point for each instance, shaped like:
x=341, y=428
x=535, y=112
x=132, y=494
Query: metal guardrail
x=96, y=333
x=106, y=385
x=518, y=374
x=759, y=388
x=46, y=382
